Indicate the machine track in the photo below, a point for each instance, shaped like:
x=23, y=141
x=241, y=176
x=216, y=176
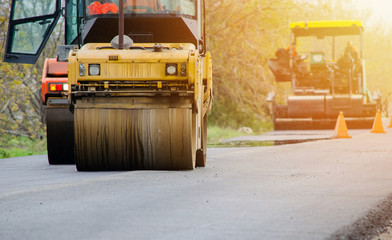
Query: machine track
x=134, y=135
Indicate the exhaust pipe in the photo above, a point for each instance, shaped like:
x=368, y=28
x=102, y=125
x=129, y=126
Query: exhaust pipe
x=121, y=41
x=121, y=25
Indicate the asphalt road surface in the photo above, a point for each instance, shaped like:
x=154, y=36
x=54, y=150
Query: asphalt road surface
x=325, y=189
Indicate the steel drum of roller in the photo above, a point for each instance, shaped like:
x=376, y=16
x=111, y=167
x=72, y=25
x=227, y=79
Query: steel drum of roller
x=124, y=134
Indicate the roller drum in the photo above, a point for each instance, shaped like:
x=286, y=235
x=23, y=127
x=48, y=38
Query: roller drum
x=121, y=137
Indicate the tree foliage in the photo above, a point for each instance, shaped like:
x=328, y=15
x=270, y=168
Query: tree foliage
x=241, y=36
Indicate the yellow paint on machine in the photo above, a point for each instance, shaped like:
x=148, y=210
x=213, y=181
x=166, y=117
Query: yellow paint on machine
x=134, y=114
x=326, y=24
x=132, y=65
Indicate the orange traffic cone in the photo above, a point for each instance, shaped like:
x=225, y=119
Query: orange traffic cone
x=377, y=124
x=390, y=123
x=341, y=127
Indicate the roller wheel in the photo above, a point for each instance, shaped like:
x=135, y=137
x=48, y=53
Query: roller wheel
x=60, y=135
x=110, y=138
x=201, y=154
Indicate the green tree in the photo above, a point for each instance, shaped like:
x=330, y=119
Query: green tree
x=241, y=36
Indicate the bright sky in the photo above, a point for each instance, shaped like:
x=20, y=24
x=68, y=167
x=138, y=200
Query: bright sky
x=380, y=8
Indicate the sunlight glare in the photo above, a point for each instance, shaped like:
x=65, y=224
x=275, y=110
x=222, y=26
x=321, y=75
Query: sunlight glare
x=380, y=9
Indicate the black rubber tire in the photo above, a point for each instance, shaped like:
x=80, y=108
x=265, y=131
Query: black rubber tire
x=60, y=135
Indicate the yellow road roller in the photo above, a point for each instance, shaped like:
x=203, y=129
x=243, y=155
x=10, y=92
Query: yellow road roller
x=139, y=79
x=324, y=64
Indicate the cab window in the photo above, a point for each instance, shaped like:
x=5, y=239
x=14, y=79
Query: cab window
x=71, y=24
x=32, y=8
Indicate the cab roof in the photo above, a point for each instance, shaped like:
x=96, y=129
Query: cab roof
x=326, y=28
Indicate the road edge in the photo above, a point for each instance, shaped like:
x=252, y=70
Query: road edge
x=374, y=223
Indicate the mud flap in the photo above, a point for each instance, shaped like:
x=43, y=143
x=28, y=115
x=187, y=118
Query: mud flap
x=201, y=154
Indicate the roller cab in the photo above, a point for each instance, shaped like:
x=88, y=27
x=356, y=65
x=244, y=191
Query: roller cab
x=325, y=66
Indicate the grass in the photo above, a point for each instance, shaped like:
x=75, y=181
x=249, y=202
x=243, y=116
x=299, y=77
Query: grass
x=12, y=146
x=215, y=135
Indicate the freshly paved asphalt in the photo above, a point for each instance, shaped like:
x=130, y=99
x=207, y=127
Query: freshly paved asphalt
x=299, y=191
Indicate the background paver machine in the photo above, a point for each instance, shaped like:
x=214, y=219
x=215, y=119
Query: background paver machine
x=327, y=75
x=130, y=89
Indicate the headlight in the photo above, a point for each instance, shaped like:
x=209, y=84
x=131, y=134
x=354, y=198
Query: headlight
x=94, y=69
x=171, y=69
x=82, y=69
